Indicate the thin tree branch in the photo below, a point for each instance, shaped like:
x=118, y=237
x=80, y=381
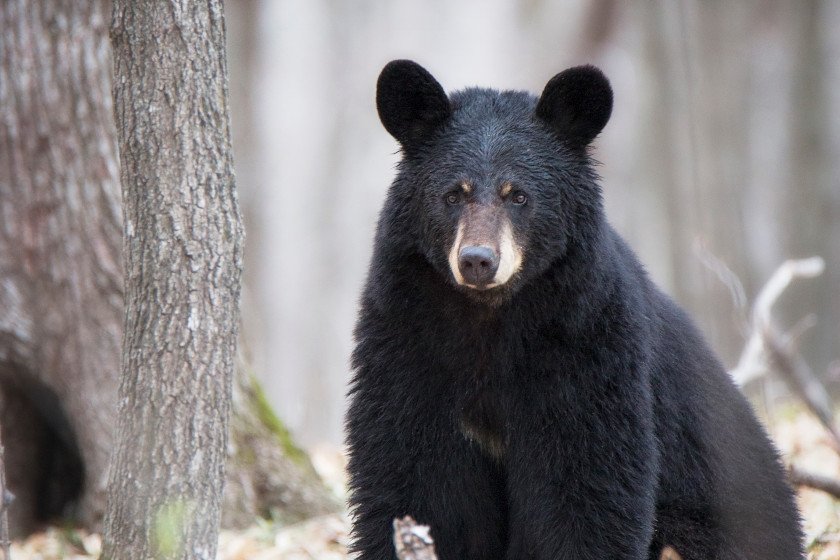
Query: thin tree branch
x=753, y=362
x=799, y=477
x=781, y=279
x=728, y=278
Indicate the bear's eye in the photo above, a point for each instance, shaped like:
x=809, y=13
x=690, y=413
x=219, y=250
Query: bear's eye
x=519, y=198
x=453, y=198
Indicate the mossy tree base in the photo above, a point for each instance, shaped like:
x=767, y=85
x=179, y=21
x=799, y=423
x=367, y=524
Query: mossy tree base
x=268, y=476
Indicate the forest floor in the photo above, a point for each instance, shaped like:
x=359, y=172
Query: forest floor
x=800, y=438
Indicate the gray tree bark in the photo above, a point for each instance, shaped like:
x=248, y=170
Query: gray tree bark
x=183, y=247
x=6, y=499
x=61, y=290
x=61, y=287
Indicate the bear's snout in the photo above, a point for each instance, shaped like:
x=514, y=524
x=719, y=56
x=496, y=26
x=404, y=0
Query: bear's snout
x=485, y=253
x=478, y=265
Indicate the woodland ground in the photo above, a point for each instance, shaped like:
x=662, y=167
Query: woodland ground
x=801, y=439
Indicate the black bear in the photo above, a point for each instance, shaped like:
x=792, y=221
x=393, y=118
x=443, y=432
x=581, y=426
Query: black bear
x=520, y=385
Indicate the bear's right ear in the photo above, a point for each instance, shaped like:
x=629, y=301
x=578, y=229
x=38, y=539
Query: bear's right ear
x=577, y=104
x=411, y=103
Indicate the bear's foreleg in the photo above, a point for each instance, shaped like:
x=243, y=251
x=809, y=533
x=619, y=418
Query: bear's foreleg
x=435, y=475
x=582, y=481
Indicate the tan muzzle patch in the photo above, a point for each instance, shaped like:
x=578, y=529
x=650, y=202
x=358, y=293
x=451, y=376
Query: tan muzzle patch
x=485, y=254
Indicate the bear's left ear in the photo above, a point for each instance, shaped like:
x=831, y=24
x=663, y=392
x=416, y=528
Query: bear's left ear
x=577, y=104
x=411, y=103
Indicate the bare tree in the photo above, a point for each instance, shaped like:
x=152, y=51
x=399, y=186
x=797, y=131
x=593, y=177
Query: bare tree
x=183, y=247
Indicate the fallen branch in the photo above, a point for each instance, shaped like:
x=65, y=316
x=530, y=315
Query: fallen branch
x=413, y=541
x=803, y=382
x=770, y=348
x=752, y=364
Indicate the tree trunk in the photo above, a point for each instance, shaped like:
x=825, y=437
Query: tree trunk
x=61, y=287
x=183, y=247
x=61, y=296
x=6, y=499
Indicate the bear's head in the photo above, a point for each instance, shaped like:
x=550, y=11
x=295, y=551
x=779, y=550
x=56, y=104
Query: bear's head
x=499, y=185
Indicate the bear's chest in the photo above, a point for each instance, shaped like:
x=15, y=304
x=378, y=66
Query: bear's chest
x=482, y=420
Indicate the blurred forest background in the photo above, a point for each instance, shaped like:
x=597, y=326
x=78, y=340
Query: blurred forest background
x=724, y=147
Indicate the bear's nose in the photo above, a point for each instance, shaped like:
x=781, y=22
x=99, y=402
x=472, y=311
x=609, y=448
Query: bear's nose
x=478, y=265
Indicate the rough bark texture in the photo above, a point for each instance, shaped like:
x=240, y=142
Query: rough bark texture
x=183, y=237
x=6, y=499
x=61, y=290
x=61, y=287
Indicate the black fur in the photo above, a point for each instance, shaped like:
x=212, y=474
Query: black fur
x=574, y=412
x=410, y=101
x=577, y=103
